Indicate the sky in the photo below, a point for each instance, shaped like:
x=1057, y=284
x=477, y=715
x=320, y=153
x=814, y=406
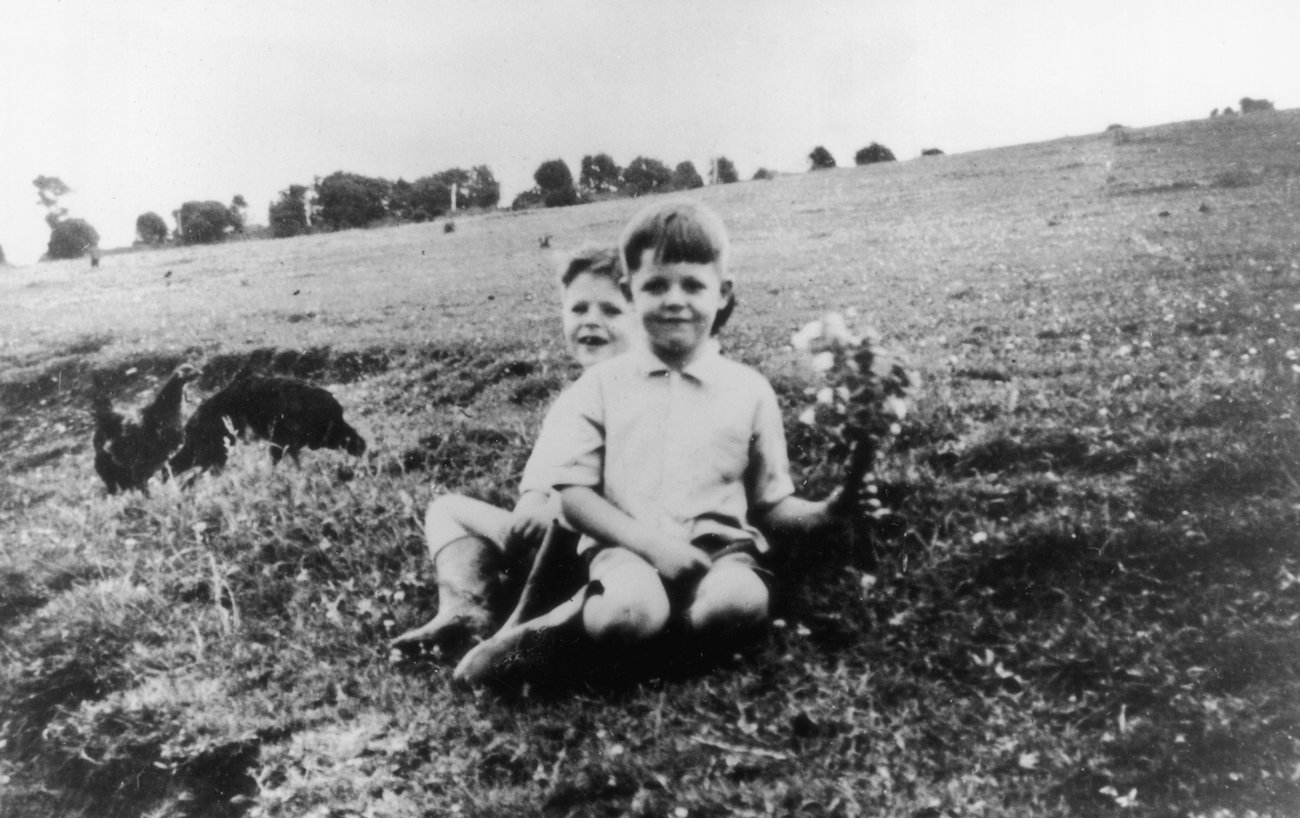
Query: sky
x=141, y=106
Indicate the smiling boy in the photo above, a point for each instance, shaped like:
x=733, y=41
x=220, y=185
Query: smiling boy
x=673, y=459
x=468, y=539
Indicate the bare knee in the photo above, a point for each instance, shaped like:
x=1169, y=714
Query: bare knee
x=731, y=598
x=632, y=606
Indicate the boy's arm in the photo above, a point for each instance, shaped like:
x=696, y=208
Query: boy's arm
x=795, y=515
x=529, y=521
x=605, y=522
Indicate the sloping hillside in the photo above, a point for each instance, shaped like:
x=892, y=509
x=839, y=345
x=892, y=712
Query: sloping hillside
x=1087, y=605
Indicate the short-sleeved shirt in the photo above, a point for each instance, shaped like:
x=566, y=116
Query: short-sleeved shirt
x=688, y=452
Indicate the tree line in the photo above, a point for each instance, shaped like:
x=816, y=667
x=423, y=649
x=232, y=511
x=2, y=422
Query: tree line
x=344, y=200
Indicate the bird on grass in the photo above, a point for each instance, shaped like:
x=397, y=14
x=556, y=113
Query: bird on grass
x=128, y=450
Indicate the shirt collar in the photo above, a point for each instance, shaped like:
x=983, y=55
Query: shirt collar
x=703, y=369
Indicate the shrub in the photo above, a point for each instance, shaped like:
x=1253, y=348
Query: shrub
x=72, y=238
x=646, y=175
x=288, y=217
x=2, y=257
x=150, y=228
x=724, y=172
x=686, y=177
x=555, y=181
x=527, y=200
x=204, y=222
x=1250, y=106
x=351, y=200
x=873, y=153
x=763, y=174
x=599, y=174
x=932, y=152
x=821, y=158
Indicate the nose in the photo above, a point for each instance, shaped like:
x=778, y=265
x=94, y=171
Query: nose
x=673, y=297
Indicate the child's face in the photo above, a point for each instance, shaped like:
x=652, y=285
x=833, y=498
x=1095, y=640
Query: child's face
x=677, y=304
x=597, y=319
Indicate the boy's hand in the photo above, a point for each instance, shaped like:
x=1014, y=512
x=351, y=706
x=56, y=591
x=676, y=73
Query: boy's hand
x=679, y=561
x=528, y=522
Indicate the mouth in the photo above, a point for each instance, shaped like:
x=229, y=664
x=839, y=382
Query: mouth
x=592, y=340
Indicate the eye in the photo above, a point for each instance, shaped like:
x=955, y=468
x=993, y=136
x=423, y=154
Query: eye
x=654, y=286
x=579, y=308
x=693, y=285
x=611, y=310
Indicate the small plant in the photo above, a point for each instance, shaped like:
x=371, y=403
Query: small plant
x=861, y=403
x=449, y=227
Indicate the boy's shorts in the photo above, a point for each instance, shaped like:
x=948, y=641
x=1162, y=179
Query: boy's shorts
x=743, y=551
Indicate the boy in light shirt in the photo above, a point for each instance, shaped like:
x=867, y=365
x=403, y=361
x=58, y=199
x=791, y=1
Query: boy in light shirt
x=469, y=540
x=671, y=460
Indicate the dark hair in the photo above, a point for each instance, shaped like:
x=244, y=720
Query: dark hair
x=596, y=260
x=678, y=232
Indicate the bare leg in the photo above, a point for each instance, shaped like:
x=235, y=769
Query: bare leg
x=730, y=600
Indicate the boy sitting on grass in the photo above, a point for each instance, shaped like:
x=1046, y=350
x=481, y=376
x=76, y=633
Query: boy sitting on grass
x=671, y=459
x=469, y=540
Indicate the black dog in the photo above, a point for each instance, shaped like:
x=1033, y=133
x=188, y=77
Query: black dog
x=291, y=414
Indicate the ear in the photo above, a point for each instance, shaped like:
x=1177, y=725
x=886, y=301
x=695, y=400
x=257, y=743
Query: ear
x=625, y=285
x=725, y=289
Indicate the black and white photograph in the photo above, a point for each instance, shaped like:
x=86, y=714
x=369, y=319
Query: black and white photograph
x=677, y=409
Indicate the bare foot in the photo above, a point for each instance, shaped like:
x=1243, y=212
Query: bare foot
x=518, y=649
x=450, y=625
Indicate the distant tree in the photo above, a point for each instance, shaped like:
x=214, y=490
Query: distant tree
x=555, y=181
x=528, y=199
x=646, y=175
x=685, y=177
x=2, y=257
x=401, y=204
x=1250, y=106
x=599, y=174
x=1229, y=112
x=873, y=153
x=351, y=200
x=932, y=152
x=205, y=222
x=49, y=189
x=821, y=158
x=72, y=238
x=238, y=211
x=288, y=216
x=482, y=189
x=150, y=228
x=1214, y=113
x=724, y=172
x=763, y=174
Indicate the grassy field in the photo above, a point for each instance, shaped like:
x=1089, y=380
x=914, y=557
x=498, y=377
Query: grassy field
x=1092, y=606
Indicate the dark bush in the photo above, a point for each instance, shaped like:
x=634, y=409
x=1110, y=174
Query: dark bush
x=599, y=174
x=932, y=152
x=821, y=158
x=724, y=172
x=204, y=222
x=351, y=200
x=288, y=217
x=1250, y=106
x=150, y=228
x=686, y=177
x=645, y=175
x=528, y=199
x=555, y=181
x=449, y=227
x=873, y=153
x=763, y=174
x=72, y=238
